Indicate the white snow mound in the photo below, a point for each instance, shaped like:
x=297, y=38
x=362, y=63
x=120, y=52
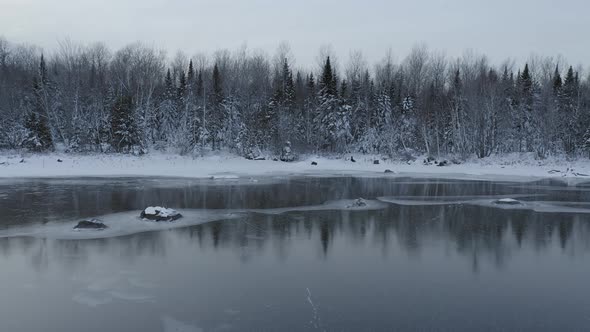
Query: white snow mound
x=511, y=201
x=160, y=211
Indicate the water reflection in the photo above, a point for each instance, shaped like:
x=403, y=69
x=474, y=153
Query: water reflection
x=480, y=235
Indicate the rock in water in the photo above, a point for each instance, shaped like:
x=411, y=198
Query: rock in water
x=90, y=224
x=388, y=171
x=359, y=202
x=158, y=213
x=507, y=201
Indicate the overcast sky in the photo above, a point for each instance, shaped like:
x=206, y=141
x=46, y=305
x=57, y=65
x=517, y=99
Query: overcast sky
x=497, y=28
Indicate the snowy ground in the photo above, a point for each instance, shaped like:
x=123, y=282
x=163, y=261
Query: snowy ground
x=224, y=166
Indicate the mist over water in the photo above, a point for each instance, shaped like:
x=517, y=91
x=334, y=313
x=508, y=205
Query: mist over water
x=462, y=266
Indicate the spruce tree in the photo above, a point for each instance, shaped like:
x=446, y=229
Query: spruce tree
x=557, y=82
x=571, y=128
x=39, y=136
x=309, y=109
x=166, y=119
x=190, y=76
x=332, y=119
x=217, y=117
x=125, y=134
x=217, y=86
x=328, y=79
x=456, y=139
x=527, y=127
x=182, y=88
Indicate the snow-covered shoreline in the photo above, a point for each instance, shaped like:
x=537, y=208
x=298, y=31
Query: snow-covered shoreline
x=224, y=166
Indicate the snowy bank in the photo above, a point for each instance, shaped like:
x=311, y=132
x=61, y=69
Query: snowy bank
x=225, y=167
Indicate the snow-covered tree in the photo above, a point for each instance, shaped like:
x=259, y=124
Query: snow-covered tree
x=126, y=137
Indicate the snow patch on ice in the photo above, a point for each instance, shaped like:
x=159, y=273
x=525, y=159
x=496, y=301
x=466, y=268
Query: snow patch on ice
x=160, y=211
x=508, y=201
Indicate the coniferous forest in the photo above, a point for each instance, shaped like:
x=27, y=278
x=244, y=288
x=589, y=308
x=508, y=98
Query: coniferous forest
x=90, y=99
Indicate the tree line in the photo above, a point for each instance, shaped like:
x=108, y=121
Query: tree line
x=89, y=99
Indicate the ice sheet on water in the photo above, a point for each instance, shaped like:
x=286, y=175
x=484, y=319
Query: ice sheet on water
x=119, y=224
x=343, y=204
x=127, y=223
x=214, y=180
x=537, y=206
x=448, y=200
x=420, y=202
x=553, y=188
x=492, y=202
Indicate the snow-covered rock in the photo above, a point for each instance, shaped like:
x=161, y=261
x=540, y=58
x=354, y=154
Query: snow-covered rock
x=254, y=154
x=429, y=161
x=388, y=171
x=90, y=224
x=287, y=154
x=507, y=201
x=359, y=202
x=158, y=213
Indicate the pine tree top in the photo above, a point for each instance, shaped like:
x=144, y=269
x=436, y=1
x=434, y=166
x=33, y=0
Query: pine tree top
x=217, y=85
x=557, y=81
x=191, y=72
x=328, y=79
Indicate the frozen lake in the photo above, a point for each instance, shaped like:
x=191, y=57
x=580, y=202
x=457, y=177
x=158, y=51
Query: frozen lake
x=292, y=254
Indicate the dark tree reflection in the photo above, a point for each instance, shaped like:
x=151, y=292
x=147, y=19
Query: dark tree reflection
x=481, y=235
